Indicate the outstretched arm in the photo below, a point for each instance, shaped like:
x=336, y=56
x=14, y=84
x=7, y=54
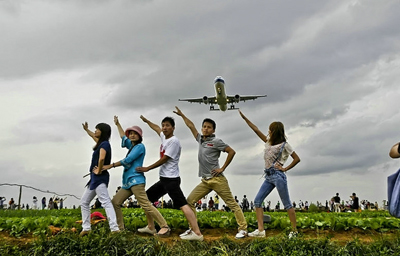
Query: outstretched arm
x=153, y=126
x=160, y=162
x=231, y=154
x=253, y=127
x=96, y=170
x=120, y=130
x=187, y=121
x=395, y=151
x=89, y=132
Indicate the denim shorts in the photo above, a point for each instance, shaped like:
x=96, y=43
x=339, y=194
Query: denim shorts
x=274, y=178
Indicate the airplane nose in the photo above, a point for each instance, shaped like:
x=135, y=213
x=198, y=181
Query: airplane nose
x=219, y=79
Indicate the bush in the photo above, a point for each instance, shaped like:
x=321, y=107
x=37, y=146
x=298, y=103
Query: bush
x=313, y=208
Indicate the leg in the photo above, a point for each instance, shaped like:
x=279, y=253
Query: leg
x=281, y=186
x=221, y=186
x=87, y=197
x=149, y=209
x=104, y=198
x=191, y=217
x=197, y=193
x=172, y=185
x=153, y=194
x=263, y=192
x=117, y=201
x=292, y=218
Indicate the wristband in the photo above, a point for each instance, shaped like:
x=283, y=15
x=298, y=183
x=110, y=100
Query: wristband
x=398, y=148
x=113, y=165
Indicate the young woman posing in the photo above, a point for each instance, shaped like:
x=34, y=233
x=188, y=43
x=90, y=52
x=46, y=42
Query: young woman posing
x=98, y=181
x=276, y=152
x=134, y=182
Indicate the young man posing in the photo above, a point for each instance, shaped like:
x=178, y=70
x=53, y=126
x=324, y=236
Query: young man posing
x=211, y=173
x=170, y=180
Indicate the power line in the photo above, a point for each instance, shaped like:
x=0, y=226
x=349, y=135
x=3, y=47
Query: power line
x=37, y=189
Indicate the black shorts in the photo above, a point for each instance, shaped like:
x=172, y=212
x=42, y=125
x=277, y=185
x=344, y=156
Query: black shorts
x=170, y=186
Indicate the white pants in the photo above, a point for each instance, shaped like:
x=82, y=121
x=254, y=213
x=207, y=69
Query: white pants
x=337, y=207
x=102, y=193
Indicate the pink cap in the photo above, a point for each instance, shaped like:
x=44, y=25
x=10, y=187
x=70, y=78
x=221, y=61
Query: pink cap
x=97, y=216
x=135, y=129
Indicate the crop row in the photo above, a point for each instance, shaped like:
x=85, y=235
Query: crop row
x=38, y=222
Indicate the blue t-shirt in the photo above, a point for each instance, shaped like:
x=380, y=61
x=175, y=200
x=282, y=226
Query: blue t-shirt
x=96, y=180
x=133, y=159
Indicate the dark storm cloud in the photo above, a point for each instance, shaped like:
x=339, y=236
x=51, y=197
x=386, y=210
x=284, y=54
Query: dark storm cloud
x=329, y=70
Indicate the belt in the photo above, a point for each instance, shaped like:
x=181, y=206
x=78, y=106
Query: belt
x=269, y=171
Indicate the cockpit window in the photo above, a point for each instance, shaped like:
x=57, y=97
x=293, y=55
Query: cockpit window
x=219, y=79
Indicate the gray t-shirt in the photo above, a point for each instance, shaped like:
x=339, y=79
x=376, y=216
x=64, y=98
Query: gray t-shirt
x=209, y=152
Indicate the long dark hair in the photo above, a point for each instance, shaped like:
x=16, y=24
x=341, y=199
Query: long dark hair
x=277, y=133
x=105, y=134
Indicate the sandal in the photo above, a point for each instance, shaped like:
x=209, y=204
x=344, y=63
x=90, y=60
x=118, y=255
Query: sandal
x=166, y=234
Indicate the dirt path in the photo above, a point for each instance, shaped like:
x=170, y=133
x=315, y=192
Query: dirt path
x=340, y=237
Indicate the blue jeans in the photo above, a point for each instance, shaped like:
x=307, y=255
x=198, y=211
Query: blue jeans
x=274, y=178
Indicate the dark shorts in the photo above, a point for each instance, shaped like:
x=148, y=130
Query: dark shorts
x=170, y=186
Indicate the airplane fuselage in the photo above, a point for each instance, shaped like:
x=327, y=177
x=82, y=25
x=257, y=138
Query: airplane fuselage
x=220, y=98
x=220, y=95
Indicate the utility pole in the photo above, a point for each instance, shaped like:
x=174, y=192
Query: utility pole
x=19, y=198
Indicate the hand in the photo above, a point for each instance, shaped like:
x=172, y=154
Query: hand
x=96, y=170
x=85, y=126
x=143, y=118
x=279, y=167
x=216, y=172
x=142, y=169
x=116, y=121
x=178, y=111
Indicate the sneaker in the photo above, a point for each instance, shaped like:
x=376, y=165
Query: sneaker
x=257, y=233
x=187, y=232
x=293, y=234
x=147, y=230
x=241, y=234
x=192, y=236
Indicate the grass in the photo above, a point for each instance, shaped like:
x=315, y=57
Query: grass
x=101, y=242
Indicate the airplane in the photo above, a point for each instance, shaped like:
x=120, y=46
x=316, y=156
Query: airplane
x=221, y=99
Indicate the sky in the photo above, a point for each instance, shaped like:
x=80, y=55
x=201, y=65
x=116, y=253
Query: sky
x=330, y=70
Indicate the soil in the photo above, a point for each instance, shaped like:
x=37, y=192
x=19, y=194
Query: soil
x=340, y=237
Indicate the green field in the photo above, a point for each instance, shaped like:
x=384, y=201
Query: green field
x=369, y=233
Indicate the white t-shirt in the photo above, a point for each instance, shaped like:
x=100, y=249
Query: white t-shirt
x=271, y=152
x=172, y=148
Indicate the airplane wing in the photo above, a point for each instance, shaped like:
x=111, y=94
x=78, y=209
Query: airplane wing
x=238, y=98
x=205, y=100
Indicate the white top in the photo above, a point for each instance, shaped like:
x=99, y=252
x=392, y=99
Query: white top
x=271, y=152
x=172, y=148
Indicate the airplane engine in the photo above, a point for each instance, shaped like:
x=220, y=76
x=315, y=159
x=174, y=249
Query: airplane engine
x=237, y=98
x=205, y=100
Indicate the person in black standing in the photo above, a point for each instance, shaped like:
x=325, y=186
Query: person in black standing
x=356, y=203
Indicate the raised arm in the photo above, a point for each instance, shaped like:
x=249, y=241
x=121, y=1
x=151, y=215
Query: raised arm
x=153, y=126
x=89, y=132
x=395, y=151
x=253, y=127
x=187, y=121
x=120, y=130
